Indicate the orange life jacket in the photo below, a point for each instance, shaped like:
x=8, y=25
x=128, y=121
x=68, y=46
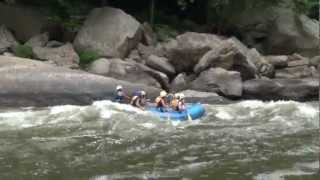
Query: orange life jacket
x=175, y=104
x=160, y=102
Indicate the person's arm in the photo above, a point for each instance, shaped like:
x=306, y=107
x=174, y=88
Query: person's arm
x=139, y=105
x=126, y=96
x=164, y=103
x=181, y=106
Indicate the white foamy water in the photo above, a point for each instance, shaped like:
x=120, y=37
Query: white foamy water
x=106, y=140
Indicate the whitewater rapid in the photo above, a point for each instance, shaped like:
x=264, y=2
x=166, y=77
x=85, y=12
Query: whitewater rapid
x=243, y=140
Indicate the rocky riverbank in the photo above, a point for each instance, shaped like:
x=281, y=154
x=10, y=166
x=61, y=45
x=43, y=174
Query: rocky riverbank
x=206, y=65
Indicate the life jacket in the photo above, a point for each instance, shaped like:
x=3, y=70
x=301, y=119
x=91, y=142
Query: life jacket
x=134, y=101
x=119, y=96
x=175, y=104
x=181, y=105
x=160, y=102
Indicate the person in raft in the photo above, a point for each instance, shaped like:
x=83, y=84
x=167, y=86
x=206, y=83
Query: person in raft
x=181, y=103
x=161, y=101
x=120, y=95
x=139, y=100
x=175, y=102
x=178, y=103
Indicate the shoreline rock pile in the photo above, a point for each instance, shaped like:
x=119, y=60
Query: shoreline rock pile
x=128, y=53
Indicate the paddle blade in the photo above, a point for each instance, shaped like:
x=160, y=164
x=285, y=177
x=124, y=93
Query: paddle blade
x=189, y=117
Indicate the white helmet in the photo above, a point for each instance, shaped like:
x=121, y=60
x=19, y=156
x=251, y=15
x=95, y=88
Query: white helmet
x=119, y=87
x=142, y=93
x=163, y=94
x=181, y=96
x=177, y=95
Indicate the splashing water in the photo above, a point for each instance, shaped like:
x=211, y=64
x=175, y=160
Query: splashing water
x=245, y=140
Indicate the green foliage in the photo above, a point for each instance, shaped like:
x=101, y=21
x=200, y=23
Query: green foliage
x=309, y=7
x=87, y=57
x=224, y=11
x=23, y=51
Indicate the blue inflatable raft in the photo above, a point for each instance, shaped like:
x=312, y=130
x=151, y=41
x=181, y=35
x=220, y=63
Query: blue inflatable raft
x=195, y=111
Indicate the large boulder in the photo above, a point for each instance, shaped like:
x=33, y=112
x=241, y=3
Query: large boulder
x=54, y=44
x=26, y=82
x=149, y=36
x=7, y=40
x=219, y=80
x=315, y=72
x=159, y=76
x=242, y=63
x=279, y=30
x=127, y=71
x=204, y=97
x=294, y=72
x=146, y=51
x=185, y=51
x=278, y=61
x=61, y=56
x=233, y=54
x=110, y=32
x=180, y=82
x=281, y=89
x=315, y=61
x=161, y=64
x=24, y=21
x=305, y=62
x=39, y=40
x=263, y=66
x=222, y=56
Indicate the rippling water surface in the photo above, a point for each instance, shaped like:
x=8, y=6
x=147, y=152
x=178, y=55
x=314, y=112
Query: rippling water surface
x=241, y=141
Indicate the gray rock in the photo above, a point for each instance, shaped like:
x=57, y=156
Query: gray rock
x=281, y=89
x=62, y=56
x=180, y=82
x=315, y=73
x=124, y=70
x=161, y=64
x=54, y=44
x=159, y=76
x=219, y=80
x=8, y=54
x=263, y=66
x=223, y=57
x=39, y=40
x=149, y=36
x=297, y=57
x=241, y=64
x=146, y=51
x=279, y=30
x=134, y=55
x=204, y=97
x=294, y=72
x=100, y=66
x=110, y=32
x=7, y=40
x=25, y=82
x=24, y=21
x=315, y=61
x=278, y=61
x=305, y=62
x=185, y=51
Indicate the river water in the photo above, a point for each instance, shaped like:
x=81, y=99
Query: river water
x=240, y=141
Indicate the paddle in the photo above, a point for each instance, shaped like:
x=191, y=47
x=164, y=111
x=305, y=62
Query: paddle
x=189, y=116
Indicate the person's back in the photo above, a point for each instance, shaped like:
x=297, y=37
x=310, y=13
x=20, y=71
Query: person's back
x=175, y=102
x=138, y=99
x=181, y=103
x=160, y=101
x=119, y=95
